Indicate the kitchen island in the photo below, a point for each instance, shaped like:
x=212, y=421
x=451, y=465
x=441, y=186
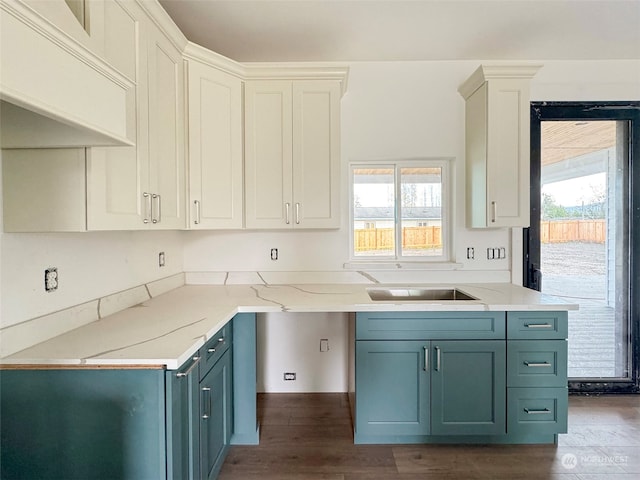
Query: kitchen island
x=147, y=375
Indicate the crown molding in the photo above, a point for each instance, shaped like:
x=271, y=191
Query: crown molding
x=484, y=73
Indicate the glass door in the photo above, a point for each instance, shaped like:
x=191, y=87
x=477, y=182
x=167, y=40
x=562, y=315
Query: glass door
x=580, y=246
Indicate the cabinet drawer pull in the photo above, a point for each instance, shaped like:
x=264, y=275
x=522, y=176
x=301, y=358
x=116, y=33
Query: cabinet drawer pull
x=206, y=391
x=147, y=207
x=197, y=205
x=537, y=364
x=297, y=213
x=438, y=359
x=494, y=211
x=196, y=360
x=213, y=349
x=536, y=411
x=157, y=216
x=426, y=358
x=287, y=206
x=538, y=325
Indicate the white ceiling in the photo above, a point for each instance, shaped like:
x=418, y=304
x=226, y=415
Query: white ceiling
x=361, y=30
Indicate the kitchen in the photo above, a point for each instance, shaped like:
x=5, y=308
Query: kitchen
x=390, y=110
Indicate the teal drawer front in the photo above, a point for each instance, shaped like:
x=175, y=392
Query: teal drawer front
x=430, y=325
x=537, y=410
x=215, y=348
x=537, y=363
x=537, y=325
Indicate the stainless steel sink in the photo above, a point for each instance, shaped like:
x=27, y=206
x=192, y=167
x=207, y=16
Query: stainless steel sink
x=417, y=294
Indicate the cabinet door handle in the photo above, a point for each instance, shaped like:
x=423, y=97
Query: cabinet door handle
x=494, y=211
x=536, y=411
x=538, y=325
x=147, y=207
x=157, y=218
x=287, y=206
x=206, y=403
x=438, y=359
x=297, y=213
x=196, y=360
x=197, y=206
x=426, y=358
x=537, y=364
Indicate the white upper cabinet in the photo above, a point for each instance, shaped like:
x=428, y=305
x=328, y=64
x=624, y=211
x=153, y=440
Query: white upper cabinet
x=497, y=145
x=292, y=154
x=132, y=188
x=113, y=188
x=215, y=148
x=56, y=91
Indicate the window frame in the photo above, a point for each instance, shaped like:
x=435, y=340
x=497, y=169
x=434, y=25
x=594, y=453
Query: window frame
x=444, y=163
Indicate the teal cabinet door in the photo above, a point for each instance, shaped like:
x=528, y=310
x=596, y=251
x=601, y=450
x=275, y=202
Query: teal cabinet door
x=215, y=417
x=182, y=422
x=468, y=382
x=392, y=388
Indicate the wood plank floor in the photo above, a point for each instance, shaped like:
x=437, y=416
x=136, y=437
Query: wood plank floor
x=309, y=437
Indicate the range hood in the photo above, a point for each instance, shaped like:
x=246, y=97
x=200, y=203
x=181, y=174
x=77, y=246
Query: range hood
x=54, y=92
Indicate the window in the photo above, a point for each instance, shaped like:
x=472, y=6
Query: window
x=399, y=210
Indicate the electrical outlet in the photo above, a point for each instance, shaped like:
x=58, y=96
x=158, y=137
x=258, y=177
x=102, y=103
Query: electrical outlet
x=324, y=344
x=274, y=254
x=289, y=376
x=51, y=279
x=161, y=259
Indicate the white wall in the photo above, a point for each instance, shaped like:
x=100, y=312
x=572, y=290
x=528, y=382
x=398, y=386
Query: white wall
x=290, y=342
x=90, y=265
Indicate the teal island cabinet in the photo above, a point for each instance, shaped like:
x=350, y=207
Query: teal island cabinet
x=459, y=377
x=131, y=423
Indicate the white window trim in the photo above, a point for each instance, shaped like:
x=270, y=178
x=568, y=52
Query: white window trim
x=445, y=163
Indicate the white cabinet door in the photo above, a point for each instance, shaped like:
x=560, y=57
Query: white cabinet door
x=215, y=148
x=316, y=154
x=268, y=154
x=292, y=154
x=117, y=177
x=166, y=131
x=508, y=153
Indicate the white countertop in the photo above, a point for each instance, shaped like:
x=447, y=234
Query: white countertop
x=167, y=330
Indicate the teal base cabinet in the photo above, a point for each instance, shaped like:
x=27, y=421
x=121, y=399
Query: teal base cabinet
x=81, y=424
x=459, y=377
x=126, y=424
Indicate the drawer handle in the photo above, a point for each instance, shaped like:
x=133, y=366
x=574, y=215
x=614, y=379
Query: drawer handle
x=537, y=364
x=220, y=340
x=536, y=411
x=438, y=359
x=538, y=325
x=195, y=359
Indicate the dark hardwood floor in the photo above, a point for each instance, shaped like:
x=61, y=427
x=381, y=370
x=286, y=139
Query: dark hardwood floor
x=309, y=437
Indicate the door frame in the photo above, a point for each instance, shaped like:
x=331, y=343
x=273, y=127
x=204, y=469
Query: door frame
x=630, y=111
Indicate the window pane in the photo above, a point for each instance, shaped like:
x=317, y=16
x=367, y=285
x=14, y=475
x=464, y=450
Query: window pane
x=373, y=212
x=421, y=211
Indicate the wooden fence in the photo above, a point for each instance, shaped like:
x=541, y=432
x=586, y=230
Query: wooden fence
x=563, y=231
x=420, y=238
x=381, y=239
